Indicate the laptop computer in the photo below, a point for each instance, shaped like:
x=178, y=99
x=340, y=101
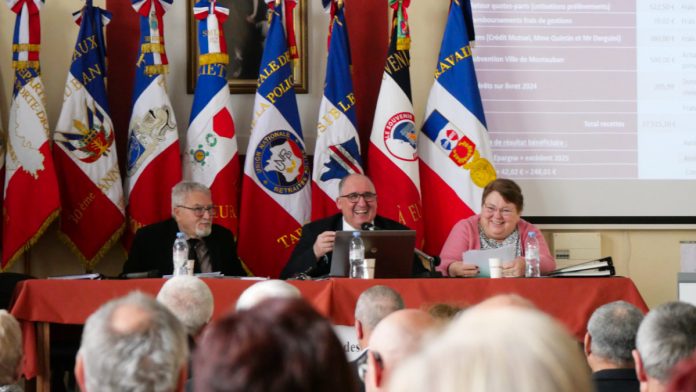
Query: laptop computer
x=391, y=249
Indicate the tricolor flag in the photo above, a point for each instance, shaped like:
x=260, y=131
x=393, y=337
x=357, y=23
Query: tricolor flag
x=154, y=166
x=31, y=200
x=276, y=190
x=92, y=217
x=211, y=156
x=392, y=153
x=337, y=152
x=454, y=145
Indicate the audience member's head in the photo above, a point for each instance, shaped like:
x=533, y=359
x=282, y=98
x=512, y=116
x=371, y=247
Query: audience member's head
x=264, y=290
x=373, y=305
x=666, y=336
x=282, y=344
x=10, y=348
x=396, y=337
x=684, y=376
x=611, y=336
x=504, y=301
x=444, y=312
x=497, y=350
x=132, y=343
x=190, y=300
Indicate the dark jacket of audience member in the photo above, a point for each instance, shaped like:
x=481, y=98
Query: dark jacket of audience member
x=279, y=345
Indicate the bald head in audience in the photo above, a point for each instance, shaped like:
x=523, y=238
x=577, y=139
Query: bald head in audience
x=132, y=343
x=497, y=349
x=395, y=338
x=666, y=336
x=266, y=289
x=190, y=300
x=505, y=300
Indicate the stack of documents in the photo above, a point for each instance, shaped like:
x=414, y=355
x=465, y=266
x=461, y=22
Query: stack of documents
x=599, y=267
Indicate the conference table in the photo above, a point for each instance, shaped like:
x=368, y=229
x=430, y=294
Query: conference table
x=39, y=302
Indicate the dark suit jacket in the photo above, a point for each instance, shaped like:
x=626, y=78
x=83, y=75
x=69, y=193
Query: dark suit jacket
x=152, y=250
x=302, y=258
x=616, y=380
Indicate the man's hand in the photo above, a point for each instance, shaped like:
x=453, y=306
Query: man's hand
x=324, y=243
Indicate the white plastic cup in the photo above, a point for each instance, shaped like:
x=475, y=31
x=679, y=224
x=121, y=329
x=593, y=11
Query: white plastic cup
x=370, y=268
x=495, y=267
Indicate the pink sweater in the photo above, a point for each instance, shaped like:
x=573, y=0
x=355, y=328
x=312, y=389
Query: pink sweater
x=465, y=236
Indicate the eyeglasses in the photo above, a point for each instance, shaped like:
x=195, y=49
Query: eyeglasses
x=200, y=211
x=491, y=210
x=355, y=196
x=362, y=367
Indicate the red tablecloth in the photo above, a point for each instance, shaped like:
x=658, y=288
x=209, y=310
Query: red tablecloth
x=570, y=300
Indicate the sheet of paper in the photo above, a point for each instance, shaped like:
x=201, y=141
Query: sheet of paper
x=480, y=257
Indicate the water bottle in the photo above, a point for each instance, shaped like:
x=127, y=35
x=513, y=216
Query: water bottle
x=531, y=256
x=180, y=253
x=356, y=255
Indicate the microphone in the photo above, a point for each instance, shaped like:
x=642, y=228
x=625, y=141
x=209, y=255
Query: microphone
x=368, y=226
x=433, y=260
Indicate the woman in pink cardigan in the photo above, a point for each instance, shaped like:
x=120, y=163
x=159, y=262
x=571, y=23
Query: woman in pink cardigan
x=499, y=224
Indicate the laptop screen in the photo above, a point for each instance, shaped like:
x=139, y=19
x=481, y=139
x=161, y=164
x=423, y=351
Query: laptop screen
x=391, y=249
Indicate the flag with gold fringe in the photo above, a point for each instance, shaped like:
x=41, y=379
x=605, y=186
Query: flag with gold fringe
x=392, y=153
x=454, y=145
x=337, y=150
x=211, y=156
x=275, y=188
x=154, y=163
x=92, y=216
x=31, y=200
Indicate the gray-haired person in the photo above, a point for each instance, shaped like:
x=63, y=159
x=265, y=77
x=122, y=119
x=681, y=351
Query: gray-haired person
x=666, y=336
x=609, y=343
x=211, y=246
x=134, y=344
x=11, y=352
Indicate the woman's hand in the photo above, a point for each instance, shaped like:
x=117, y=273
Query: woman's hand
x=463, y=270
x=514, y=269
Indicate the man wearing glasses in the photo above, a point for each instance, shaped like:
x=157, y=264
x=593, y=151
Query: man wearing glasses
x=211, y=246
x=357, y=201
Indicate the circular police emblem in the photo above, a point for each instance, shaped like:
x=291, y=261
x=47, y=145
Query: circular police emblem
x=400, y=136
x=280, y=163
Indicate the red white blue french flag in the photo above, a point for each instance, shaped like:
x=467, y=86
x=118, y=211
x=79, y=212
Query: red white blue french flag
x=154, y=165
x=454, y=145
x=31, y=200
x=392, y=153
x=275, y=189
x=337, y=150
x=211, y=154
x=93, y=211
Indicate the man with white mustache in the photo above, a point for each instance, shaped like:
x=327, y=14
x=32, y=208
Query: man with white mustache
x=211, y=246
x=357, y=201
